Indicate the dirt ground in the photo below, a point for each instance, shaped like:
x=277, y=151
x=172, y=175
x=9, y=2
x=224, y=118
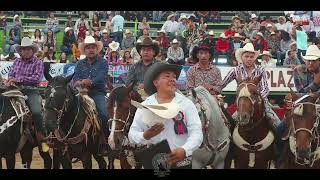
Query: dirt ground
x=37, y=162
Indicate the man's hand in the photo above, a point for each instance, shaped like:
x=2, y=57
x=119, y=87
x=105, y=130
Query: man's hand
x=316, y=78
x=153, y=131
x=10, y=82
x=210, y=89
x=176, y=155
x=86, y=83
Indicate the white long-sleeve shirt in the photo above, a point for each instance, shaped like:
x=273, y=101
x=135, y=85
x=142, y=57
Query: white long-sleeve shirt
x=171, y=27
x=189, y=141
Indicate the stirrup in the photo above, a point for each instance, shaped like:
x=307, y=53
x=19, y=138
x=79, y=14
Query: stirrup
x=44, y=147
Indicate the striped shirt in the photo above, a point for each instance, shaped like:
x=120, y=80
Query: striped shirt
x=240, y=70
x=28, y=73
x=197, y=76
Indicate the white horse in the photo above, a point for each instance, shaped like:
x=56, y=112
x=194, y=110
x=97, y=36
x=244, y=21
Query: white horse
x=216, y=134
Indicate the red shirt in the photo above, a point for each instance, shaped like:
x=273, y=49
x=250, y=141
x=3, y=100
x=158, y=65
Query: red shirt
x=222, y=45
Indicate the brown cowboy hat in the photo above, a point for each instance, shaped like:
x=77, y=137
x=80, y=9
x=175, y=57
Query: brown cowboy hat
x=154, y=71
x=147, y=42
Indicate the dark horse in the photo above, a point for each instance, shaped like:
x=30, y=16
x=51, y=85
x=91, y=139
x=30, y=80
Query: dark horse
x=74, y=131
x=17, y=134
x=121, y=114
x=252, y=138
x=302, y=123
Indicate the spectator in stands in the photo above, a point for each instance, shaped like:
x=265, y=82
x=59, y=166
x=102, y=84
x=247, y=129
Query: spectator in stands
x=267, y=61
x=145, y=34
x=143, y=25
x=240, y=31
x=129, y=41
x=273, y=44
x=236, y=21
x=267, y=20
x=26, y=33
x=81, y=26
x=237, y=41
x=230, y=31
x=210, y=41
x=308, y=27
x=246, y=30
x=171, y=26
x=17, y=25
x=50, y=40
x=97, y=35
x=292, y=47
x=63, y=58
x=183, y=21
x=175, y=53
x=268, y=30
x=40, y=55
x=203, y=14
x=234, y=61
x=190, y=35
x=281, y=25
x=51, y=23
x=37, y=39
x=117, y=27
x=126, y=58
x=260, y=44
x=302, y=41
x=49, y=56
x=254, y=25
x=284, y=46
x=163, y=42
x=113, y=58
x=223, y=47
x=69, y=22
x=215, y=17
x=12, y=41
x=135, y=54
x=109, y=24
x=75, y=49
x=202, y=25
x=106, y=40
x=291, y=61
x=3, y=22
x=68, y=40
x=264, y=32
x=95, y=24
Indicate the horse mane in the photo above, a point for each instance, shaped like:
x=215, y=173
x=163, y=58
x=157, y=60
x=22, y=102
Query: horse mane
x=118, y=94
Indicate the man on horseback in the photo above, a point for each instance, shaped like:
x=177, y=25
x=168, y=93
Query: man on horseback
x=148, y=50
x=28, y=71
x=91, y=73
x=184, y=131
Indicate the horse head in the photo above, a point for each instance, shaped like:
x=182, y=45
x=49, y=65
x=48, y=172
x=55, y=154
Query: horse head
x=248, y=100
x=119, y=105
x=303, y=122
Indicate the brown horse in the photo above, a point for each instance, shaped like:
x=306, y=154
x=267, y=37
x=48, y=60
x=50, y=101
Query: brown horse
x=252, y=138
x=121, y=114
x=302, y=123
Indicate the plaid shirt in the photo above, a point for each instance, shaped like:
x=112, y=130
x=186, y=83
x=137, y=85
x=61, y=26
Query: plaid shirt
x=201, y=77
x=240, y=70
x=28, y=73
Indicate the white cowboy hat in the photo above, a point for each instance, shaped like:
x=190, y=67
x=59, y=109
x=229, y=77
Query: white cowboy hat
x=170, y=16
x=269, y=25
x=211, y=33
x=26, y=42
x=291, y=15
x=15, y=17
x=114, y=46
x=90, y=40
x=183, y=17
x=25, y=31
x=157, y=113
x=312, y=54
x=175, y=41
x=253, y=16
x=237, y=35
x=282, y=17
x=222, y=35
x=128, y=31
x=139, y=41
x=161, y=31
x=105, y=31
x=272, y=33
x=266, y=53
x=260, y=34
x=67, y=29
x=247, y=48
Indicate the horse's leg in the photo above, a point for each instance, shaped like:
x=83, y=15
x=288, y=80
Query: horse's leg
x=123, y=162
x=47, y=160
x=11, y=160
x=229, y=157
x=241, y=160
x=26, y=155
x=56, y=159
x=64, y=159
x=110, y=161
x=201, y=157
x=101, y=162
x=86, y=160
x=220, y=157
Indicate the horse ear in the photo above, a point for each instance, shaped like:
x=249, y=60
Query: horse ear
x=68, y=79
x=293, y=94
x=257, y=80
x=130, y=87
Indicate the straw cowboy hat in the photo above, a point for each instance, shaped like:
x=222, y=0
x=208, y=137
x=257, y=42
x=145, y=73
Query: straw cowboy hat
x=175, y=41
x=237, y=35
x=67, y=29
x=154, y=71
x=312, y=54
x=114, y=46
x=170, y=16
x=82, y=56
x=25, y=31
x=266, y=53
x=90, y=40
x=128, y=31
x=26, y=42
x=269, y=25
x=282, y=17
x=247, y=48
x=105, y=31
x=157, y=113
x=272, y=33
x=183, y=17
x=161, y=31
x=147, y=42
x=260, y=34
x=235, y=17
x=253, y=16
x=15, y=17
x=211, y=33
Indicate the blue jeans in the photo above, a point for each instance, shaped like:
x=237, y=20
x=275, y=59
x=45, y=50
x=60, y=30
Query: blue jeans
x=101, y=104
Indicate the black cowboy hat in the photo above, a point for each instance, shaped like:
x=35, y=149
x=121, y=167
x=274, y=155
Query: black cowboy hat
x=196, y=49
x=147, y=42
x=154, y=71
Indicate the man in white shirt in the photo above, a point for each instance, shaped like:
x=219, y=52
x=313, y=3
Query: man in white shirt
x=184, y=131
x=117, y=24
x=171, y=26
x=281, y=25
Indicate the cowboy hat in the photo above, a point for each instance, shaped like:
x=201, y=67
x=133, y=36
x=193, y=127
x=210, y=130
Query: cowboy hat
x=223, y=36
x=211, y=33
x=67, y=29
x=183, y=17
x=312, y=54
x=235, y=17
x=26, y=42
x=269, y=25
x=161, y=31
x=260, y=34
x=157, y=113
x=170, y=16
x=90, y=40
x=237, y=35
x=282, y=17
x=114, y=46
x=247, y=48
x=154, y=71
x=266, y=53
x=128, y=31
x=272, y=33
x=105, y=31
x=196, y=49
x=175, y=41
x=253, y=16
x=15, y=17
x=147, y=42
x=82, y=56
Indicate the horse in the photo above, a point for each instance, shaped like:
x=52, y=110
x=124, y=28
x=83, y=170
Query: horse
x=216, y=134
x=253, y=141
x=303, y=133
x=122, y=113
x=17, y=132
x=74, y=128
